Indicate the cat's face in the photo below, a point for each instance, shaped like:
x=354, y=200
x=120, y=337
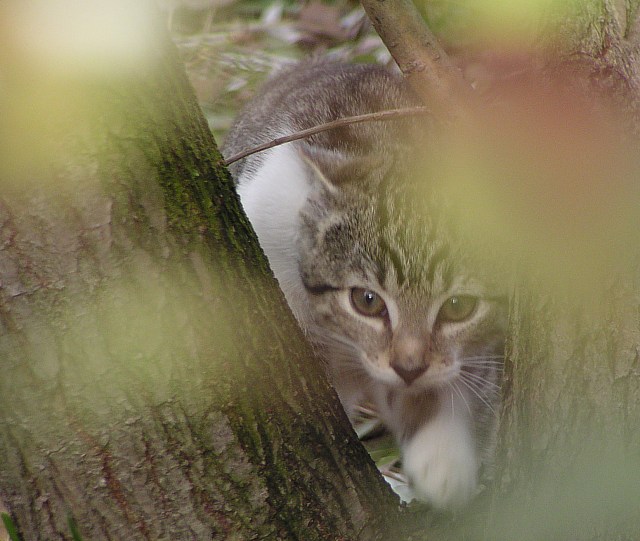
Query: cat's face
x=388, y=292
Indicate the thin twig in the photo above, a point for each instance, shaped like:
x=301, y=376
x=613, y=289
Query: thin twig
x=368, y=117
x=422, y=60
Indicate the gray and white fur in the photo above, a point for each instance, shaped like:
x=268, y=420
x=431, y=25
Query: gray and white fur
x=371, y=268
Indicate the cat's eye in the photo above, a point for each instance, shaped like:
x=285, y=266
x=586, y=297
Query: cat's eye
x=368, y=303
x=457, y=308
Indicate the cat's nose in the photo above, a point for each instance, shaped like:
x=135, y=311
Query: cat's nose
x=409, y=375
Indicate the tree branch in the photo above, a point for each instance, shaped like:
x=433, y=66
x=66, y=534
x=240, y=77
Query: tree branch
x=368, y=117
x=417, y=52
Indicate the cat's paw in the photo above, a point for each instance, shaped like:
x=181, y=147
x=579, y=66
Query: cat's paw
x=441, y=464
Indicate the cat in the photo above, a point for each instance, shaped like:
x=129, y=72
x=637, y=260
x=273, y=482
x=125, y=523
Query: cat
x=370, y=270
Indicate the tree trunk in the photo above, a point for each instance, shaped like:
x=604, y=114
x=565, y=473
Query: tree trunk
x=154, y=384
x=569, y=465
x=568, y=462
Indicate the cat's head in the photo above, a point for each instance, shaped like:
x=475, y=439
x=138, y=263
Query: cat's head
x=389, y=289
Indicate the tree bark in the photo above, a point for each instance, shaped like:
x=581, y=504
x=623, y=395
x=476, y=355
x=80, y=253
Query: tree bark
x=569, y=465
x=154, y=384
x=568, y=461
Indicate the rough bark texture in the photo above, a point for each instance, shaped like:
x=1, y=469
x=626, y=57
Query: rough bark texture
x=154, y=386
x=570, y=463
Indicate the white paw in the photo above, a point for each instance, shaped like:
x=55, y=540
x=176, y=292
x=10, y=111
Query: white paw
x=440, y=461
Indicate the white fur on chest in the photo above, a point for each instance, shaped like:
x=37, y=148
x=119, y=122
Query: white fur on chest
x=440, y=458
x=273, y=197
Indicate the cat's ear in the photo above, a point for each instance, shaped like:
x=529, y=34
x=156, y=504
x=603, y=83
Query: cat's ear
x=334, y=169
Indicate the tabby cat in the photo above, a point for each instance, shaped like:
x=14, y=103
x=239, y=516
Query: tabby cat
x=371, y=270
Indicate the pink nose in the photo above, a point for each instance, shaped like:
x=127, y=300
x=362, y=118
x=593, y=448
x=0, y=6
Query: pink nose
x=409, y=375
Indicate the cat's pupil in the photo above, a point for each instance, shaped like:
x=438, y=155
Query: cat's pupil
x=369, y=297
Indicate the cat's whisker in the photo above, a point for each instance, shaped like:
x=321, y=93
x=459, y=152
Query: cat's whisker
x=486, y=366
x=338, y=344
x=487, y=362
x=489, y=394
x=486, y=392
x=474, y=391
x=349, y=370
x=455, y=386
x=480, y=379
x=482, y=357
x=453, y=407
x=499, y=364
